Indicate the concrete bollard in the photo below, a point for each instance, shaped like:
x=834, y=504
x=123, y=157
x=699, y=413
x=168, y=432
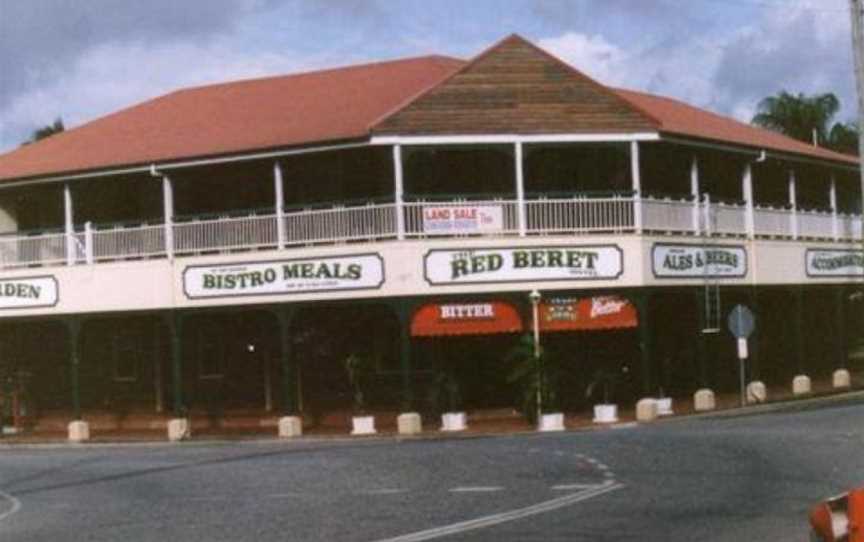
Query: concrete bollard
x=179, y=429
x=290, y=426
x=409, y=423
x=801, y=385
x=79, y=431
x=646, y=410
x=842, y=379
x=703, y=400
x=756, y=392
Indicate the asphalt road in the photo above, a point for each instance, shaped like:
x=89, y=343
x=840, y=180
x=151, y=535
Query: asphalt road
x=735, y=479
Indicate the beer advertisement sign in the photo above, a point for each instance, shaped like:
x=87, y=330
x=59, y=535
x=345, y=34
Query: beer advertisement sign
x=834, y=263
x=695, y=261
x=295, y=276
x=28, y=292
x=523, y=264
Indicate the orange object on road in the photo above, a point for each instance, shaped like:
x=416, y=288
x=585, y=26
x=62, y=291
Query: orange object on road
x=855, y=511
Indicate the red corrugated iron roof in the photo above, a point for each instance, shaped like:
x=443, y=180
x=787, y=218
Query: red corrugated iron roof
x=677, y=117
x=236, y=117
x=309, y=108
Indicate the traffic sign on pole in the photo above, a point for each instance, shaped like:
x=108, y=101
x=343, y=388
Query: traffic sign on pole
x=741, y=322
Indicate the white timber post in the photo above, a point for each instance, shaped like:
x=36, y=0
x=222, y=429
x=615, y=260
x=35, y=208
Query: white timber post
x=747, y=192
x=279, y=192
x=168, y=213
x=793, y=202
x=636, y=179
x=69, y=224
x=520, y=189
x=832, y=198
x=88, y=242
x=694, y=191
x=399, y=192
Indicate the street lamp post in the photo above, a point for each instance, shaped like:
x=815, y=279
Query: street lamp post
x=535, y=297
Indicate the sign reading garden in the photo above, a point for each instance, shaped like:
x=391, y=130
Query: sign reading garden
x=693, y=261
x=306, y=275
x=485, y=265
x=28, y=292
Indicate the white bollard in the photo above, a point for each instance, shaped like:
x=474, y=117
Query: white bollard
x=703, y=400
x=79, y=431
x=646, y=410
x=801, y=385
x=290, y=426
x=363, y=425
x=179, y=429
x=842, y=379
x=553, y=421
x=409, y=423
x=756, y=392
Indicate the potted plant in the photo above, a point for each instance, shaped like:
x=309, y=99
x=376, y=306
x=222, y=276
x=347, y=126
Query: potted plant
x=359, y=375
x=605, y=380
x=447, y=397
x=538, y=378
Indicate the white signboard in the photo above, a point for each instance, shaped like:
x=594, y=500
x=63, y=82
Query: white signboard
x=296, y=276
x=693, y=261
x=28, y=292
x=462, y=219
x=834, y=263
x=523, y=264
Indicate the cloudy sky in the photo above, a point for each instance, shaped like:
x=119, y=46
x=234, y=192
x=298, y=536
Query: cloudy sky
x=81, y=59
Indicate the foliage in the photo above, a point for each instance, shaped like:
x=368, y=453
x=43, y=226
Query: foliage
x=446, y=392
x=46, y=131
x=360, y=372
x=532, y=373
x=800, y=116
x=607, y=380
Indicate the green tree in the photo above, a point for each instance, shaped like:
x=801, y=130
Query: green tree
x=801, y=116
x=46, y=131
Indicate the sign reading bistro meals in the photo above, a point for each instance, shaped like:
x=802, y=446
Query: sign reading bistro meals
x=28, y=292
x=518, y=264
x=295, y=276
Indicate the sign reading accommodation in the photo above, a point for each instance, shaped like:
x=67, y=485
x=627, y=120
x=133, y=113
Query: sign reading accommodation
x=462, y=219
x=834, y=263
x=693, y=261
x=528, y=264
x=306, y=275
x=28, y=292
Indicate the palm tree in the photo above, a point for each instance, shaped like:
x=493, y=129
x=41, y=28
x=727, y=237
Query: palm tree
x=807, y=117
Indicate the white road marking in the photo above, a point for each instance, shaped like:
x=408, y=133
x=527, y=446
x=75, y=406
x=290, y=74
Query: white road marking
x=15, y=505
x=567, y=487
x=476, y=489
x=384, y=491
x=495, y=519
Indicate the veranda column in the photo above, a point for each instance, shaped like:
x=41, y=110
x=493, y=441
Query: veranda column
x=694, y=192
x=291, y=423
x=521, y=211
x=753, y=343
x=747, y=192
x=646, y=340
x=703, y=399
x=178, y=427
x=793, y=203
x=79, y=430
x=409, y=421
x=636, y=179
x=832, y=198
x=69, y=224
x=841, y=377
x=399, y=192
x=279, y=193
x=168, y=214
x=801, y=384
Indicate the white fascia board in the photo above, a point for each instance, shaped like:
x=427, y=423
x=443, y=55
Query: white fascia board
x=513, y=138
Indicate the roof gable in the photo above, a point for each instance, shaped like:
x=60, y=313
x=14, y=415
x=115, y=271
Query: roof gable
x=515, y=87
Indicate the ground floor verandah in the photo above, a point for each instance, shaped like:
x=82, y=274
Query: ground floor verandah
x=240, y=369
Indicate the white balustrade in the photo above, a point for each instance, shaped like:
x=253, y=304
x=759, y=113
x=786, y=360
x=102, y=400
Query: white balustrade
x=27, y=250
x=667, y=215
x=227, y=233
x=815, y=225
x=128, y=242
x=579, y=215
x=771, y=222
x=728, y=219
x=341, y=224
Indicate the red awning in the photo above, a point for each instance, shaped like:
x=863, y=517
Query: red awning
x=483, y=318
x=601, y=312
